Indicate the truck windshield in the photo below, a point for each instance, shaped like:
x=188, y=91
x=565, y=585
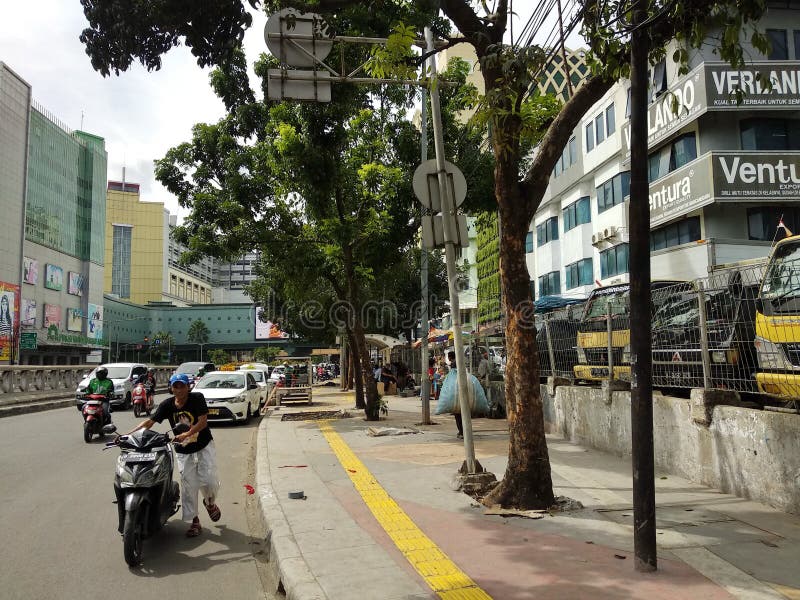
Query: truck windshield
x=598, y=306
x=679, y=310
x=782, y=280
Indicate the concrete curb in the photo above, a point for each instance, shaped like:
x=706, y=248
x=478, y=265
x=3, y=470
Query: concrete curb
x=21, y=409
x=289, y=568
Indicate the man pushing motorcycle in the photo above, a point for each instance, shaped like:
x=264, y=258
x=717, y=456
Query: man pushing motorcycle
x=194, y=449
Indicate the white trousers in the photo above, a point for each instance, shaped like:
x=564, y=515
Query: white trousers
x=198, y=474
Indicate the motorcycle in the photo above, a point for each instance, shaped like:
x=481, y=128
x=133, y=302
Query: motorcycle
x=146, y=494
x=142, y=399
x=94, y=418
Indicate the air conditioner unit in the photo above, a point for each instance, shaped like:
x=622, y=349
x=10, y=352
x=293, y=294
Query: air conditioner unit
x=609, y=232
x=596, y=237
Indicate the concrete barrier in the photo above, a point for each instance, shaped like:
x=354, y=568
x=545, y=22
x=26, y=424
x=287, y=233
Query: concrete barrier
x=750, y=453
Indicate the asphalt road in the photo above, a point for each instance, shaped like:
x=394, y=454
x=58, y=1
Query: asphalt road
x=58, y=524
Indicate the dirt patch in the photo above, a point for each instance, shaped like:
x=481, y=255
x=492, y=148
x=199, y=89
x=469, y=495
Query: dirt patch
x=315, y=415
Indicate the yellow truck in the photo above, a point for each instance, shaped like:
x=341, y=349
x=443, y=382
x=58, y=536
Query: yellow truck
x=777, y=338
x=593, y=333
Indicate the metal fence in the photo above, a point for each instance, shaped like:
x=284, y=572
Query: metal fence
x=703, y=335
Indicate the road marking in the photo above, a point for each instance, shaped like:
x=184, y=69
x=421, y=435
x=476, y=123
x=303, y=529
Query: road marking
x=438, y=571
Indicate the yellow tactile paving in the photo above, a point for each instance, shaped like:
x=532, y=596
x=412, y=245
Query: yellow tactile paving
x=438, y=571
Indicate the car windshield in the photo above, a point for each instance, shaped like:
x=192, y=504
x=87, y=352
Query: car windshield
x=221, y=381
x=679, y=310
x=189, y=368
x=598, y=306
x=257, y=375
x=117, y=372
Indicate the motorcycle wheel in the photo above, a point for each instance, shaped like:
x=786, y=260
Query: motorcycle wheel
x=137, y=410
x=132, y=538
x=87, y=432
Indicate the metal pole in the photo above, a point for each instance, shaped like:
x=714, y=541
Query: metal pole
x=704, y=354
x=610, y=339
x=644, y=501
x=550, y=353
x=425, y=382
x=449, y=217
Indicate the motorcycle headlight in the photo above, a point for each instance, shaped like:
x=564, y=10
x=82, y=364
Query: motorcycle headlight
x=581, y=356
x=124, y=474
x=770, y=355
x=626, y=354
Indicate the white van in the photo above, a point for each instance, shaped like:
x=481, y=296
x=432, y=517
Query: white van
x=122, y=374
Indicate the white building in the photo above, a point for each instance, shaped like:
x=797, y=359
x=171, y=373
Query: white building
x=722, y=174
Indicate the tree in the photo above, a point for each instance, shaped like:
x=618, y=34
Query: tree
x=198, y=334
x=266, y=354
x=218, y=356
x=508, y=73
x=162, y=345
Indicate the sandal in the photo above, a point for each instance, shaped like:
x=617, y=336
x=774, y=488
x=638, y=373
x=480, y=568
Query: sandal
x=194, y=529
x=214, y=513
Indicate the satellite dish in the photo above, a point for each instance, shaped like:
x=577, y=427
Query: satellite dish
x=306, y=37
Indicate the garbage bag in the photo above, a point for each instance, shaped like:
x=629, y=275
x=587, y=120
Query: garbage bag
x=448, y=396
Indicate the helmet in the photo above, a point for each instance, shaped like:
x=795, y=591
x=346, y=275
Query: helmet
x=179, y=378
x=151, y=370
x=101, y=373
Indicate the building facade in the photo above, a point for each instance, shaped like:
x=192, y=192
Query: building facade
x=722, y=173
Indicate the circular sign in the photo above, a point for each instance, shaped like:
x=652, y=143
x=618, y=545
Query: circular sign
x=311, y=44
x=426, y=184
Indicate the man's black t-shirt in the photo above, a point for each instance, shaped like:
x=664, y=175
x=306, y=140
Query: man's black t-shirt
x=195, y=407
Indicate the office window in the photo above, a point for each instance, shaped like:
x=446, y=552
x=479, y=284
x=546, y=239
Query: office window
x=579, y=273
x=569, y=156
x=572, y=146
x=577, y=213
x=547, y=232
x=674, y=234
x=590, y=137
x=797, y=45
x=550, y=284
x=659, y=81
x=673, y=156
x=599, y=128
x=614, y=191
x=762, y=222
x=778, y=48
x=770, y=134
x=529, y=242
x=121, y=261
x=614, y=261
x=611, y=125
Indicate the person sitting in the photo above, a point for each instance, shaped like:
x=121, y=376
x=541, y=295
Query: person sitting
x=102, y=385
x=387, y=378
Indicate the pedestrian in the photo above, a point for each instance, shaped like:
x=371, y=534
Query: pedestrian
x=483, y=368
x=451, y=357
x=194, y=450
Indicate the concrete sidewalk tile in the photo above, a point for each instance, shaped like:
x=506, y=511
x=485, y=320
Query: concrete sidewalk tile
x=777, y=562
x=359, y=584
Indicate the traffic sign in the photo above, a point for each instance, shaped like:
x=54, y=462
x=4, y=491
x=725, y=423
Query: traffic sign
x=297, y=39
x=28, y=340
x=433, y=231
x=426, y=184
x=290, y=84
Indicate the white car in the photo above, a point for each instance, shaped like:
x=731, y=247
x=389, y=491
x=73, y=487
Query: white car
x=122, y=374
x=277, y=373
x=230, y=395
x=262, y=379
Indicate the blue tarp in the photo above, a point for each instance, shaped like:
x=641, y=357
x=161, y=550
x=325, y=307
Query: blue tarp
x=546, y=303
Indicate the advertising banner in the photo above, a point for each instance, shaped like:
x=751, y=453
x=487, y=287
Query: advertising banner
x=53, y=277
x=28, y=312
x=756, y=175
x=95, y=330
x=74, y=319
x=9, y=319
x=267, y=330
x=722, y=83
x=30, y=270
x=75, y=284
x=52, y=315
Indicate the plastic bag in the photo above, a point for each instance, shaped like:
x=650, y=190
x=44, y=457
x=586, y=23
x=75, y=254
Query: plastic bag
x=448, y=396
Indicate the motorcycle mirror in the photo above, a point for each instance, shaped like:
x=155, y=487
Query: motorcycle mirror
x=110, y=428
x=180, y=428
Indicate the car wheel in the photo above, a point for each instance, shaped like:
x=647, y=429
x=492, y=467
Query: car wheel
x=248, y=415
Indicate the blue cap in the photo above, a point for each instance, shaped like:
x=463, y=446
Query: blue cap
x=179, y=377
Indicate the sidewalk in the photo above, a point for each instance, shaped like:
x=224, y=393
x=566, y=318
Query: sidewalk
x=380, y=520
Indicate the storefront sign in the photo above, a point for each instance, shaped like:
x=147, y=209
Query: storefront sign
x=682, y=191
x=723, y=82
x=55, y=335
x=756, y=175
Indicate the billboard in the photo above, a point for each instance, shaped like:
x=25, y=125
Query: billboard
x=682, y=191
x=30, y=268
x=756, y=175
x=74, y=319
x=53, y=277
x=267, y=330
x=724, y=82
x=52, y=315
x=9, y=319
x=75, y=284
x=95, y=329
x=28, y=312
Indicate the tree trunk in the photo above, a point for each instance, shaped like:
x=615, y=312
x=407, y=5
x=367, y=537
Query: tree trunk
x=527, y=482
x=372, y=408
x=356, y=370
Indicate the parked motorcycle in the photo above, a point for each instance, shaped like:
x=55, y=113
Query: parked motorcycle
x=95, y=421
x=142, y=399
x=146, y=494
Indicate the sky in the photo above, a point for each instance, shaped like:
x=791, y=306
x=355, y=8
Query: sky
x=140, y=114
